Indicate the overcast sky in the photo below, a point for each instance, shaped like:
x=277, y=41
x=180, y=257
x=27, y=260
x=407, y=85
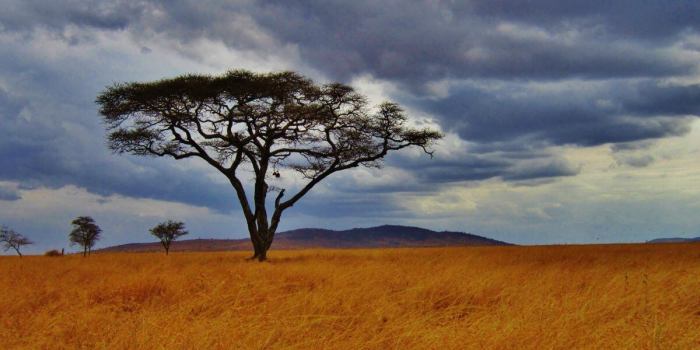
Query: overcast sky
x=566, y=121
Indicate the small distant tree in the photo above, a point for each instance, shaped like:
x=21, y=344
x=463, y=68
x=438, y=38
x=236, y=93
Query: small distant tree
x=167, y=232
x=85, y=233
x=13, y=240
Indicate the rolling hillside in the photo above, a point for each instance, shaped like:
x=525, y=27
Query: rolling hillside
x=385, y=236
x=674, y=240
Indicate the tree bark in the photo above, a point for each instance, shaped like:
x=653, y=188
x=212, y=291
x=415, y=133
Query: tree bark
x=259, y=250
x=18, y=253
x=261, y=245
x=262, y=255
x=256, y=251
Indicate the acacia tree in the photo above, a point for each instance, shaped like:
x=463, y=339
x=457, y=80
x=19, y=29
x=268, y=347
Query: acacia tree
x=13, y=240
x=85, y=233
x=266, y=125
x=167, y=232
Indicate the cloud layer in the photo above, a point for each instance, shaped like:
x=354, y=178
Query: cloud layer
x=515, y=85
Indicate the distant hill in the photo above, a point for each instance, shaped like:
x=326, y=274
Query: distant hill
x=674, y=240
x=373, y=237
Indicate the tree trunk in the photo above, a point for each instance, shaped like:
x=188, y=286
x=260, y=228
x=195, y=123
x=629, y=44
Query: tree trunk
x=84, y=251
x=260, y=246
x=266, y=237
x=18, y=253
x=256, y=240
x=259, y=250
x=262, y=255
x=256, y=250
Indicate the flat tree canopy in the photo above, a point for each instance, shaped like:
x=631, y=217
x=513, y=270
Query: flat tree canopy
x=167, y=232
x=270, y=124
x=85, y=233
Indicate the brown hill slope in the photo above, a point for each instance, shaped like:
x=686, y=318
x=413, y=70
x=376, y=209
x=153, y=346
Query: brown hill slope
x=372, y=237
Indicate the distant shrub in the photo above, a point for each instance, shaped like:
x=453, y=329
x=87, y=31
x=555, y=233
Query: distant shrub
x=53, y=252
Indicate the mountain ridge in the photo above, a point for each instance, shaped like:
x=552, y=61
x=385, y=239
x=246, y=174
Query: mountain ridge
x=674, y=240
x=384, y=236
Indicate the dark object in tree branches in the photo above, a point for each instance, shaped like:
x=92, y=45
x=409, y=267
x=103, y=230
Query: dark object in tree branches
x=271, y=124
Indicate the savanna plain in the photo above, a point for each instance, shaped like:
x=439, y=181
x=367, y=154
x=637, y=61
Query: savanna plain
x=550, y=297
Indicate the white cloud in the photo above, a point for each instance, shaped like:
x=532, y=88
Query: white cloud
x=44, y=215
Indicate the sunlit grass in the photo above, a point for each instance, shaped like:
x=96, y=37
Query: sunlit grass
x=612, y=297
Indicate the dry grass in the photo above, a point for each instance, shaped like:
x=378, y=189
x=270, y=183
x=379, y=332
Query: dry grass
x=612, y=297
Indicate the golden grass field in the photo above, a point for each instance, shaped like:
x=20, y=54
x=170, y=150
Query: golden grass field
x=557, y=297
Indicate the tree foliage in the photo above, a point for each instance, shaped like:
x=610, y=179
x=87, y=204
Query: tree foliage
x=85, y=233
x=167, y=232
x=271, y=125
x=13, y=240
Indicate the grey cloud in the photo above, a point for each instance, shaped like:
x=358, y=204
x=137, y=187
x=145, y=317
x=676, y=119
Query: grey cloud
x=634, y=154
x=427, y=41
x=653, y=99
x=8, y=193
x=413, y=44
x=365, y=205
x=631, y=146
x=625, y=19
x=43, y=143
x=463, y=170
x=636, y=161
x=610, y=59
x=542, y=170
x=476, y=167
x=57, y=15
x=576, y=113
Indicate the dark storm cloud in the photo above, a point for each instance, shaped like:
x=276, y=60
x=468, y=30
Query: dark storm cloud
x=45, y=143
x=475, y=167
x=542, y=170
x=439, y=171
x=432, y=40
x=412, y=43
x=25, y=15
x=610, y=59
x=648, y=20
x=652, y=99
x=578, y=113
